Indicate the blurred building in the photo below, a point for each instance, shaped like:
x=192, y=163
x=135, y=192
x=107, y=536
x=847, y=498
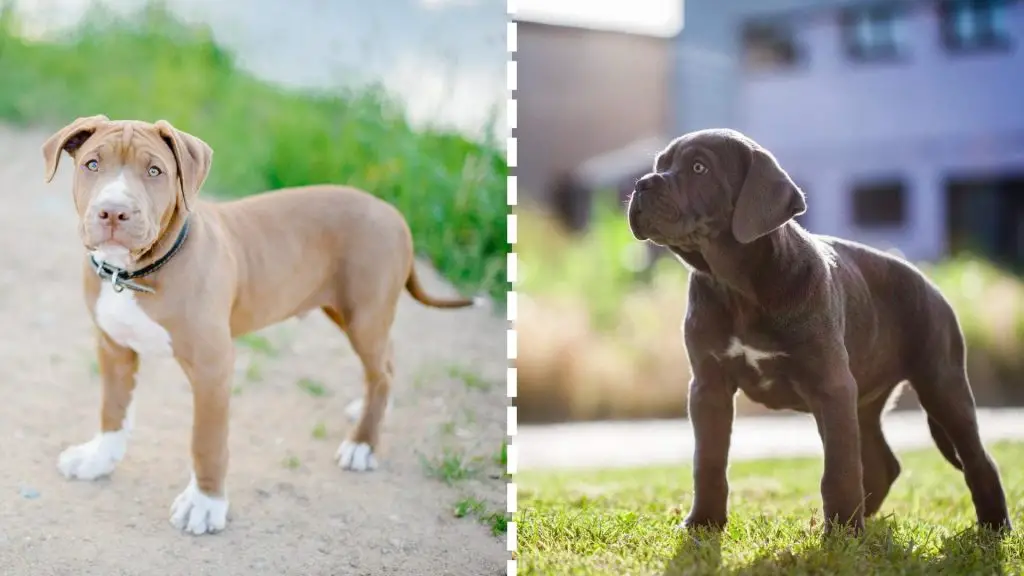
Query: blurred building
x=588, y=88
x=902, y=120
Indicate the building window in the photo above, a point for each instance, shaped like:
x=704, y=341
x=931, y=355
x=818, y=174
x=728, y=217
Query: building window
x=969, y=25
x=879, y=204
x=872, y=32
x=769, y=46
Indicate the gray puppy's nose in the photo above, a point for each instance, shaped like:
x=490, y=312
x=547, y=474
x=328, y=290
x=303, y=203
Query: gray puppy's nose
x=113, y=212
x=645, y=183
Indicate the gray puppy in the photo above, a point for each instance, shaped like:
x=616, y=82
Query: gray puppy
x=804, y=322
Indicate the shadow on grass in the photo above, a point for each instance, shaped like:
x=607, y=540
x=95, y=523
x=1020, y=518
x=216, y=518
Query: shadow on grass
x=699, y=553
x=885, y=549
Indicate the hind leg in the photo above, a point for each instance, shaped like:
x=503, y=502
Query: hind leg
x=369, y=335
x=881, y=467
x=946, y=396
x=354, y=409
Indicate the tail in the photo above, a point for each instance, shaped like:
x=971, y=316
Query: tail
x=412, y=284
x=945, y=444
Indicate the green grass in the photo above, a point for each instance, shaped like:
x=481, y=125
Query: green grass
x=624, y=522
x=469, y=507
x=497, y=521
x=254, y=371
x=450, y=467
x=312, y=387
x=450, y=189
x=258, y=343
x=501, y=458
x=469, y=377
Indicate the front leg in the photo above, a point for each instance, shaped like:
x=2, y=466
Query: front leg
x=711, y=410
x=99, y=456
x=203, y=506
x=833, y=401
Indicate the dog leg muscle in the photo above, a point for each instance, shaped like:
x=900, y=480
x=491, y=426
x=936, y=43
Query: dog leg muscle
x=711, y=411
x=368, y=334
x=202, y=507
x=880, y=466
x=946, y=397
x=834, y=405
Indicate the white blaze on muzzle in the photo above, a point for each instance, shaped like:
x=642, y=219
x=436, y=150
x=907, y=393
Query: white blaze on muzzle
x=114, y=192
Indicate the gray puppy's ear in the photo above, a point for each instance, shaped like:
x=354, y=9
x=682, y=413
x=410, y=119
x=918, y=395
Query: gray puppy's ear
x=768, y=198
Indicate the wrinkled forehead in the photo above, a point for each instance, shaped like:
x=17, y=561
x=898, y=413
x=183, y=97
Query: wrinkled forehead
x=712, y=145
x=129, y=143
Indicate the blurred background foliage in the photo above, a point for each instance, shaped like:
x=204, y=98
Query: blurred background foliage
x=151, y=65
x=600, y=331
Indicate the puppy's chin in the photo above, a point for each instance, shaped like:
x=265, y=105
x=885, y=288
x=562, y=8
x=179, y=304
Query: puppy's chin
x=113, y=254
x=634, y=226
x=686, y=242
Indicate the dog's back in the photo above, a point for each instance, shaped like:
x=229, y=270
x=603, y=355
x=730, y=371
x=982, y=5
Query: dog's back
x=896, y=318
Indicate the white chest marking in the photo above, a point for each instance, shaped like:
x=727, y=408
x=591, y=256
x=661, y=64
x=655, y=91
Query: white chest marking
x=752, y=356
x=119, y=315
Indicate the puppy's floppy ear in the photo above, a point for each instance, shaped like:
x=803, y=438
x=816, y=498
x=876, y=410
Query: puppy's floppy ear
x=69, y=139
x=193, y=157
x=768, y=198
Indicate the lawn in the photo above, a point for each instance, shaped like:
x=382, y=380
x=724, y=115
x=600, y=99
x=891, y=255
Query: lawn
x=624, y=522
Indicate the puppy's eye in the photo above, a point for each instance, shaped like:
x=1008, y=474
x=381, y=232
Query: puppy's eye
x=154, y=171
x=92, y=165
x=699, y=168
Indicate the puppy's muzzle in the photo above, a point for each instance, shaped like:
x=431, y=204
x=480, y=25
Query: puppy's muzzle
x=111, y=214
x=114, y=220
x=642, y=204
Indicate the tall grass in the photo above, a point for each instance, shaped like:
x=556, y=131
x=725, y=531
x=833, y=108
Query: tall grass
x=152, y=66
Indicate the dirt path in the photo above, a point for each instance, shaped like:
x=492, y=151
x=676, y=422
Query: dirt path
x=293, y=511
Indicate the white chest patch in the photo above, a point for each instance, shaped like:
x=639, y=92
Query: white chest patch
x=119, y=315
x=751, y=355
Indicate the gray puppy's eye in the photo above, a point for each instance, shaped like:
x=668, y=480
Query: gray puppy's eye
x=154, y=171
x=699, y=168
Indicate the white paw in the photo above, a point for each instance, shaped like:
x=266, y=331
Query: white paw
x=355, y=408
x=94, y=459
x=356, y=456
x=197, y=513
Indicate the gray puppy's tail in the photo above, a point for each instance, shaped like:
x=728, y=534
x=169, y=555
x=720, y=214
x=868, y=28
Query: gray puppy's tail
x=945, y=444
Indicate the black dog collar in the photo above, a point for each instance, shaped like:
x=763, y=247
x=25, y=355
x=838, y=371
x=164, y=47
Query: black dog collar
x=121, y=278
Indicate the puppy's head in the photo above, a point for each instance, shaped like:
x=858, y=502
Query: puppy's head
x=130, y=178
x=710, y=183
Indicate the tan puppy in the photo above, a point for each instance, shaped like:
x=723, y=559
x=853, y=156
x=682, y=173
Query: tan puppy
x=172, y=275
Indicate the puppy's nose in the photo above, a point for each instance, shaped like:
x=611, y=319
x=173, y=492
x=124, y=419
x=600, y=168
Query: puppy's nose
x=645, y=183
x=112, y=213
